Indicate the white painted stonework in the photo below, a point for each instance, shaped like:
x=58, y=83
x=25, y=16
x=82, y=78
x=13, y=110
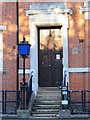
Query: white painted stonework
x=1, y=52
x=2, y=27
x=38, y=19
x=27, y=71
x=86, y=10
x=1, y=47
x=79, y=70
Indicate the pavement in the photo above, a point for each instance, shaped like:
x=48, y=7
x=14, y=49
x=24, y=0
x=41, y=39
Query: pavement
x=73, y=117
x=45, y=119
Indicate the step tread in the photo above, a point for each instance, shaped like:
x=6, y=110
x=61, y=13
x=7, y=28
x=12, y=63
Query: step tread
x=45, y=110
x=50, y=105
x=49, y=88
x=46, y=107
x=43, y=118
x=47, y=103
x=51, y=91
x=49, y=94
x=48, y=99
x=45, y=115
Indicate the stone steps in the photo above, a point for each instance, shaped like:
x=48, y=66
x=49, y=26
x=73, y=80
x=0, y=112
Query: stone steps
x=47, y=103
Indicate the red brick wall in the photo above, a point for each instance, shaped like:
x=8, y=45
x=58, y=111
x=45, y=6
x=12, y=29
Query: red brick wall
x=87, y=44
x=78, y=31
x=24, y=21
x=87, y=52
x=77, y=81
x=10, y=42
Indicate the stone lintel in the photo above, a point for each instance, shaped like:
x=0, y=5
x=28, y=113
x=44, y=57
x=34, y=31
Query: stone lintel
x=85, y=9
x=54, y=11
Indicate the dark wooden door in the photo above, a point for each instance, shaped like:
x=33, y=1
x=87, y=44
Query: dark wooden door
x=50, y=57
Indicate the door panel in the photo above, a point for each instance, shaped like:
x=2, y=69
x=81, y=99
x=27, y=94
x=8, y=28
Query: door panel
x=50, y=57
x=44, y=71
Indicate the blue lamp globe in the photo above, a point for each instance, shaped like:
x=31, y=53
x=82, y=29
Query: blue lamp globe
x=24, y=48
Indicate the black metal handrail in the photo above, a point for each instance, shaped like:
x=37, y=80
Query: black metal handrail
x=29, y=91
x=64, y=82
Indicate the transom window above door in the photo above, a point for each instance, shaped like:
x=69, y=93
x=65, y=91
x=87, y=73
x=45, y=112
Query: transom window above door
x=51, y=39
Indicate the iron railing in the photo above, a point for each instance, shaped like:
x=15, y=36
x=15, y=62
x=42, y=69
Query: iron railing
x=11, y=100
x=79, y=101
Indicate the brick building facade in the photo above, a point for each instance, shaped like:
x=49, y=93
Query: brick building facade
x=75, y=43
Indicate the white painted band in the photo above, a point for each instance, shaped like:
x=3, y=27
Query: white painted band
x=70, y=70
x=77, y=70
x=2, y=27
x=27, y=71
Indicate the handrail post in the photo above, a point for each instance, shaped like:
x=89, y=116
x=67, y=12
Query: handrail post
x=64, y=111
x=64, y=93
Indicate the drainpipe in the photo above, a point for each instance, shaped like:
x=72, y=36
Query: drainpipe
x=17, y=34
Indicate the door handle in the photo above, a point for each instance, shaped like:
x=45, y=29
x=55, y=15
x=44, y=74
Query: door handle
x=43, y=63
x=49, y=65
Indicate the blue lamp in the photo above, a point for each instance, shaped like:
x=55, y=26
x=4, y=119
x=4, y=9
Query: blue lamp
x=24, y=48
